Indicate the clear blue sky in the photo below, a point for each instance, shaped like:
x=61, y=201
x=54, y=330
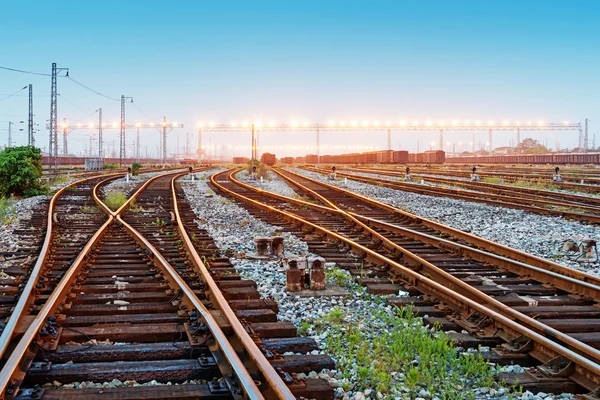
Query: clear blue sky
x=307, y=60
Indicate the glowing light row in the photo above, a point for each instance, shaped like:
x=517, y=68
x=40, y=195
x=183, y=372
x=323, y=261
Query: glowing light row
x=296, y=124
x=92, y=125
x=292, y=147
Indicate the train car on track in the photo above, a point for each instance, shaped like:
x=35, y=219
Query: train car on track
x=311, y=159
x=399, y=157
x=240, y=160
x=287, y=160
x=549, y=158
x=268, y=158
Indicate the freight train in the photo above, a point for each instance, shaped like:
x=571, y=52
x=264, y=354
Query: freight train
x=554, y=158
x=268, y=158
x=381, y=157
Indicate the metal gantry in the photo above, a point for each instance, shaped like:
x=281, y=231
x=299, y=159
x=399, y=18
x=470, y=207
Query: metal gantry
x=389, y=127
x=53, y=145
x=30, y=138
x=123, y=128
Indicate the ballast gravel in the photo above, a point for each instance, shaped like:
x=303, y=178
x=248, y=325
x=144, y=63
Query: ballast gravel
x=540, y=235
x=233, y=229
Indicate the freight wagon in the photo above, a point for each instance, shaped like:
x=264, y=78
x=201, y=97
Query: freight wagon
x=554, y=158
x=287, y=160
x=400, y=157
x=240, y=160
x=268, y=158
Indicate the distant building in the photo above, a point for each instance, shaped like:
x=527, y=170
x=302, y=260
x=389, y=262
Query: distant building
x=503, y=150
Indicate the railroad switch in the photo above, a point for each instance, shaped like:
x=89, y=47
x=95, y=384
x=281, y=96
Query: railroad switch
x=269, y=246
x=587, y=249
x=556, y=177
x=305, y=273
x=474, y=176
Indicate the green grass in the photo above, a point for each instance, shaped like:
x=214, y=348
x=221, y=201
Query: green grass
x=58, y=180
x=115, y=199
x=7, y=211
x=338, y=276
x=383, y=350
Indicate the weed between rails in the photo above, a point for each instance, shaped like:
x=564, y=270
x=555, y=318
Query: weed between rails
x=389, y=350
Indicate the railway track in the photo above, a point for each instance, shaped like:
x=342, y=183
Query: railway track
x=129, y=300
x=532, y=313
x=569, y=183
x=582, y=208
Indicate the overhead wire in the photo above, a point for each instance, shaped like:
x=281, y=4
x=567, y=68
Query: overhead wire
x=11, y=95
x=90, y=89
x=24, y=72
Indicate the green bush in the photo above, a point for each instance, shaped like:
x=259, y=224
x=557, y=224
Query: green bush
x=20, y=171
x=135, y=168
x=115, y=199
x=109, y=166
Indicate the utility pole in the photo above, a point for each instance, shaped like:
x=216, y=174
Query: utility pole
x=66, y=131
x=30, y=138
x=441, y=139
x=389, y=139
x=137, y=143
x=490, y=140
x=254, y=145
x=53, y=145
x=585, y=142
x=473, y=142
x=10, y=124
x=187, y=145
x=100, y=133
x=200, y=145
x=122, y=138
x=318, y=144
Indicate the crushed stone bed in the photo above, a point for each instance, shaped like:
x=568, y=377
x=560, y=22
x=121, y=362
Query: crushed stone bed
x=233, y=228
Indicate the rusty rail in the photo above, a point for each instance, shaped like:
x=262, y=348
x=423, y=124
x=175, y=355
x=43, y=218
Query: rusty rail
x=477, y=241
x=11, y=371
x=25, y=297
x=589, y=368
x=277, y=384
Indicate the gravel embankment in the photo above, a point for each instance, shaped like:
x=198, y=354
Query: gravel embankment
x=536, y=234
x=233, y=228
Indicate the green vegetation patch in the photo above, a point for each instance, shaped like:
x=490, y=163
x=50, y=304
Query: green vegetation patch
x=109, y=166
x=392, y=352
x=7, y=212
x=135, y=168
x=20, y=172
x=115, y=199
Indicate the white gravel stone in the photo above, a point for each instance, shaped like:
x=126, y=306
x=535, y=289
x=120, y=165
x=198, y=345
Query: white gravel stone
x=233, y=228
x=536, y=234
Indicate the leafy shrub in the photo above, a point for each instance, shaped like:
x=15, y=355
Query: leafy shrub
x=115, y=199
x=109, y=166
x=20, y=170
x=135, y=168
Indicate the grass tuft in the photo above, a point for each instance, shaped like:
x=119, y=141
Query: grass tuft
x=115, y=199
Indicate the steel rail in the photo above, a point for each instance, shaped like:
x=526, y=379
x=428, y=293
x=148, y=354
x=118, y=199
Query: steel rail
x=13, y=363
x=272, y=377
x=472, y=196
x=468, y=290
x=246, y=381
x=476, y=240
x=590, y=369
x=566, y=283
x=24, y=299
x=572, y=199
